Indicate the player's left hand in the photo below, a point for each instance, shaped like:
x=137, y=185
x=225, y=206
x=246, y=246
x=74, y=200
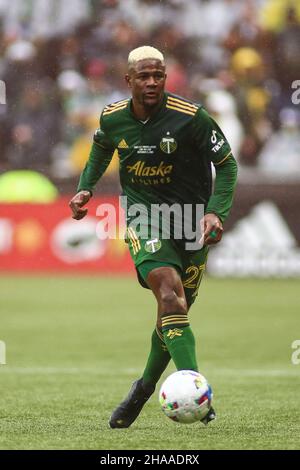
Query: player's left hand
x=212, y=229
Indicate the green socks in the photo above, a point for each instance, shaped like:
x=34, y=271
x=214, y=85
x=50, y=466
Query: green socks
x=176, y=341
x=180, y=341
x=158, y=359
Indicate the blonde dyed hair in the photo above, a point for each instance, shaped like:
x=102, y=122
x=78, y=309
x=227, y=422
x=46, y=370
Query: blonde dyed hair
x=145, y=52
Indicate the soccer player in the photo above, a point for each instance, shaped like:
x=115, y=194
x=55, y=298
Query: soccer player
x=166, y=145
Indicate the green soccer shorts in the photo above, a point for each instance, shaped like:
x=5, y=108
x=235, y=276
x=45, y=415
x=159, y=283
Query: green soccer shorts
x=154, y=253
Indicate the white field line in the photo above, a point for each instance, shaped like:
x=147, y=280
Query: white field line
x=105, y=371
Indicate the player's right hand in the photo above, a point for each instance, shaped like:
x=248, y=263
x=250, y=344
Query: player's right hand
x=212, y=229
x=77, y=202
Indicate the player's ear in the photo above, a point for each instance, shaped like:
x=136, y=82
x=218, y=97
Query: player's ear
x=128, y=80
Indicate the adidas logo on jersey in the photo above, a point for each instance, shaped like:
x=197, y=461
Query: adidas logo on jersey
x=122, y=144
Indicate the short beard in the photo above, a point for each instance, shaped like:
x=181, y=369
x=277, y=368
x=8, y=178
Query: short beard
x=150, y=105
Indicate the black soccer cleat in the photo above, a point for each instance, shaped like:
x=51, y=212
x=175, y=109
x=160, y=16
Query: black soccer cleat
x=211, y=415
x=127, y=412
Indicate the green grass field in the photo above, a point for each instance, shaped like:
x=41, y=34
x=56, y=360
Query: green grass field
x=74, y=345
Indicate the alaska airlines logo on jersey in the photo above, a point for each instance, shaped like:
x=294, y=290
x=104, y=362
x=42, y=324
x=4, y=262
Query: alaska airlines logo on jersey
x=139, y=169
x=122, y=144
x=168, y=144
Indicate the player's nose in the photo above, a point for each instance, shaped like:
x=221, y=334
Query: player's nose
x=151, y=81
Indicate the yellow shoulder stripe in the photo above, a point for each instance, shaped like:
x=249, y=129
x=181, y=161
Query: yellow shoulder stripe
x=182, y=103
x=185, y=111
x=225, y=158
x=182, y=106
x=114, y=110
x=113, y=106
x=118, y=103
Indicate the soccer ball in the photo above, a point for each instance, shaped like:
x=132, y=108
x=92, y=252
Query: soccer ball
x=185, y=396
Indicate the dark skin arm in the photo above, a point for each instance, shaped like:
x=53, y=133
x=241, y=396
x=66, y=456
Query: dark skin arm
x=77, y=202
x=212, y=229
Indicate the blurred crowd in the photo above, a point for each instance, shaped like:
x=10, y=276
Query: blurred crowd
x=63, y=61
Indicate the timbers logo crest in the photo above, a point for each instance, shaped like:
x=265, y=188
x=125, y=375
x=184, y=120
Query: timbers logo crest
x=168, y=144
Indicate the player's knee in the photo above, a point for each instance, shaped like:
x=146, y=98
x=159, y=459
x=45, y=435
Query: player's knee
x=172, y=303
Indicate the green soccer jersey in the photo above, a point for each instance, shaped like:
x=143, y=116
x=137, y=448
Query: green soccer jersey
x=165, y=159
